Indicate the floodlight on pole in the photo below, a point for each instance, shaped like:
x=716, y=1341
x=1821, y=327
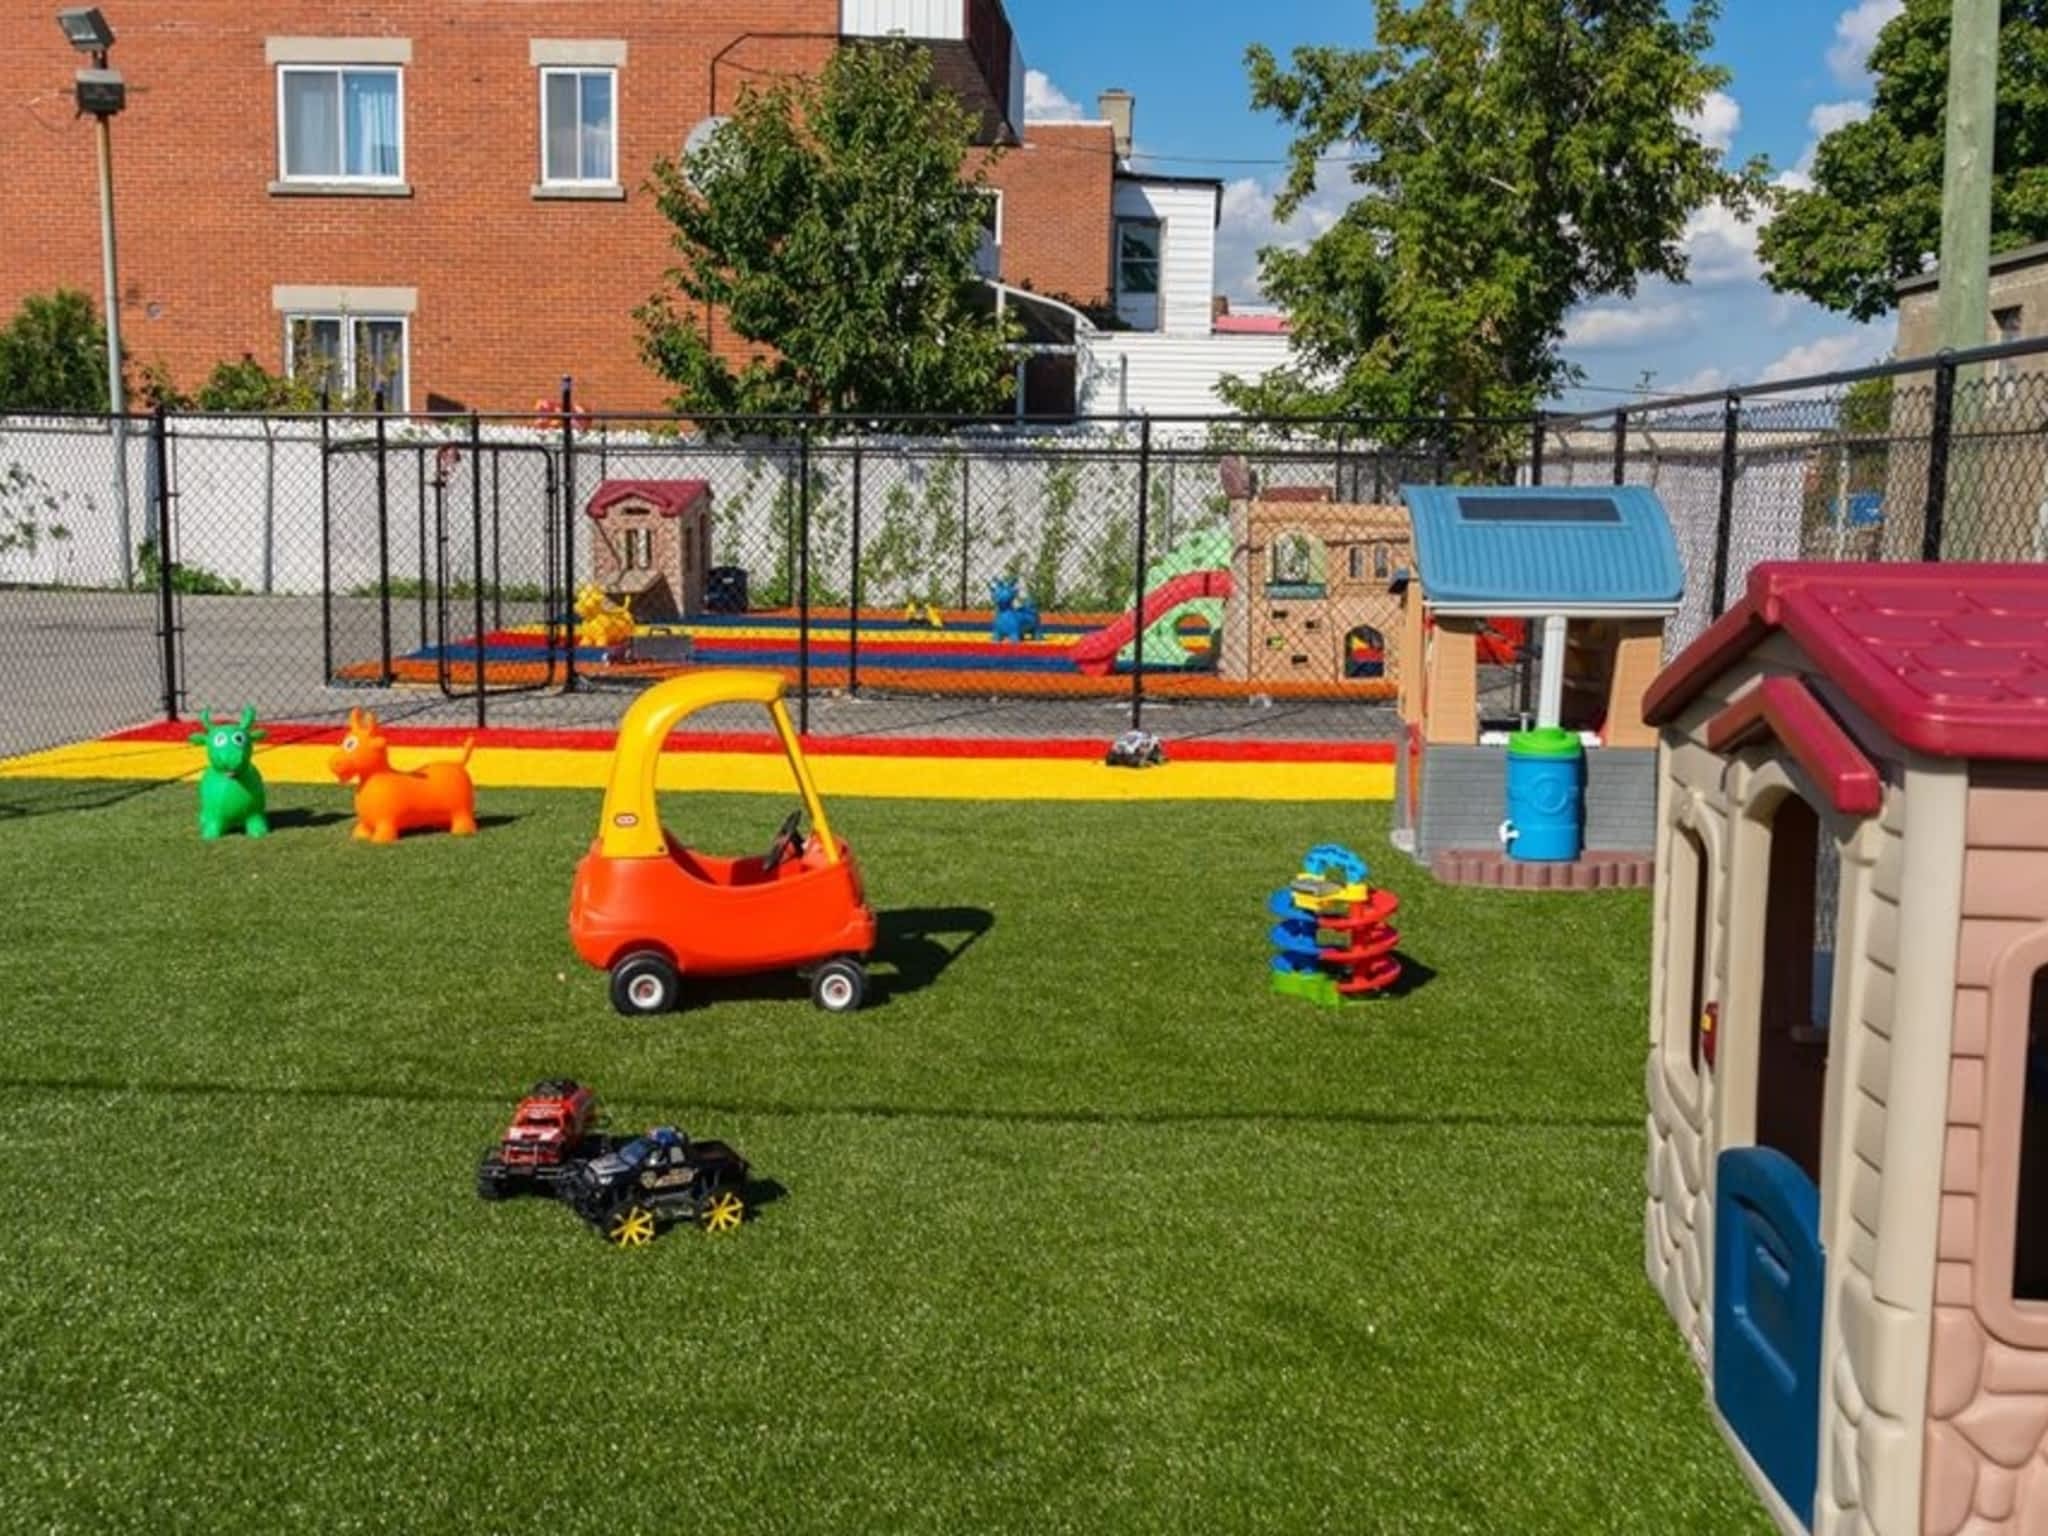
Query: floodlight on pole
x=85, y=28
x=102, y=93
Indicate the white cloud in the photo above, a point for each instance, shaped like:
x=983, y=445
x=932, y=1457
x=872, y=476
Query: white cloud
x=1720, y=247
x=1716, y=120
x=1825, y=354
x=1247, y=224
x=1045, y=102
x=1697, y=382
x=1856, y=32
x=1830, y=115
x=1626, y=325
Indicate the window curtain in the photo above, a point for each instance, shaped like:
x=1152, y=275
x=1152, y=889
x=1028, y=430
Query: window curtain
x=560, y=108
x=312, y=143
x=370, y=110
x=380, y=360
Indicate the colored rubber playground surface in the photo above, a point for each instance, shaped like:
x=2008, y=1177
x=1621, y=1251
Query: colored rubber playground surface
x=896, y=768
x=879, y=650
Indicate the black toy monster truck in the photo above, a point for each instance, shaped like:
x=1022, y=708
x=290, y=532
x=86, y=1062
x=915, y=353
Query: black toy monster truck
x=662, y=1176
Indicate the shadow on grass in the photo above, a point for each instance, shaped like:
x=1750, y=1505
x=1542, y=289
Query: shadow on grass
x=299, y=817
x=398, y=1093
x=913, y=947
x=53, y=797
x=1413, y=978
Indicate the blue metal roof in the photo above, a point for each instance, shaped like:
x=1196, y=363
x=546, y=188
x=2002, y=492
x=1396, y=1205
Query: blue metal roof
x=1520, y=548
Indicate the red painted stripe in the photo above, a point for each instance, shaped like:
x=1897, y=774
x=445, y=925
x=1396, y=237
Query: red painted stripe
x=822, y=746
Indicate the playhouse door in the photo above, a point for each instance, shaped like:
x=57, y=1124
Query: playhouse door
x=1768, y=1276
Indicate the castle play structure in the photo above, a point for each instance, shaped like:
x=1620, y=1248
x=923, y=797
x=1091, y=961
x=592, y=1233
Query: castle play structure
x=1848, y=1073
x=1590, y=575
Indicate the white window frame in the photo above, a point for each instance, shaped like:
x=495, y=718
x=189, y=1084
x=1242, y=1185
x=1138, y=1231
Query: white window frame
x=1158, y=293
x=993, y=237
x=346, y=320
x=340, y=175
x=578, y=70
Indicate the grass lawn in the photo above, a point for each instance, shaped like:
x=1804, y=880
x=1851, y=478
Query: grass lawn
x=1080, y=1229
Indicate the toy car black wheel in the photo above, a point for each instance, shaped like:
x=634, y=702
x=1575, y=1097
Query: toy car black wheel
x=645, y=982
x=493, y=1178
x=630, y=1226
x=723, y=1211
x=839, y=986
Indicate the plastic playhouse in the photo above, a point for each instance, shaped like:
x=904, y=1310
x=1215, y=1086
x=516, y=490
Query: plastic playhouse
x=1331, y=942
x=1541, y=772
x=1848, y=1166
x=651, y=910
x=650, y=546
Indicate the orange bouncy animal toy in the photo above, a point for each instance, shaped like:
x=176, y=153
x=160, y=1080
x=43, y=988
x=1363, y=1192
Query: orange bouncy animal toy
x=389, y=802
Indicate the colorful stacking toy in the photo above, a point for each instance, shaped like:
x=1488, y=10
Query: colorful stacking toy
x=1332, y=942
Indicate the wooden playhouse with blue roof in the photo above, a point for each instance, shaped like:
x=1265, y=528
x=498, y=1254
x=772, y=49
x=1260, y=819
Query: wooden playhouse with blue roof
x=1531, y=607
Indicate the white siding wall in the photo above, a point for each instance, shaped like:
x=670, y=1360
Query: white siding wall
x=1187, y=275
x=1169, y=375
x=913, y=18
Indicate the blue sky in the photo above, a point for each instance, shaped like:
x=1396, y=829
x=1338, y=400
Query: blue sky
x=1798, y=68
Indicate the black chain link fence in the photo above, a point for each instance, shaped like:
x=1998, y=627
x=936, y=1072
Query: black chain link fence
x=1193, y=578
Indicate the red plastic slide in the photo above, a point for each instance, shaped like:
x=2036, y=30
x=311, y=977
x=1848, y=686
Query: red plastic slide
x=1095, y=654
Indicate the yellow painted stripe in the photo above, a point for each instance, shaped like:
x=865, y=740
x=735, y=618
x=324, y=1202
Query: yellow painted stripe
x=906, y=778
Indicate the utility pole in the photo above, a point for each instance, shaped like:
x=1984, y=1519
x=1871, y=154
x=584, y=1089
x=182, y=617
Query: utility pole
x=1963, y=300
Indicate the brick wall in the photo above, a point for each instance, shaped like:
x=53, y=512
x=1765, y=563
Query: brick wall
x=512, y=290
x=1056, y=226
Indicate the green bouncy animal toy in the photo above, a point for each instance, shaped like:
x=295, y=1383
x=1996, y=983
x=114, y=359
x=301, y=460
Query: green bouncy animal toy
x=230, y=790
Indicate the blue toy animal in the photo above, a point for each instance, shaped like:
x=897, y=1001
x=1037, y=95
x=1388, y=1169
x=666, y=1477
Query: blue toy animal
x=230, y=788
x=1016, y=618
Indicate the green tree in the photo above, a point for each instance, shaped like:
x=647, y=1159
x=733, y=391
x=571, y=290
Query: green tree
x=53, y=355
x=1873, y=213
x=827, y=227
x=1512, y=159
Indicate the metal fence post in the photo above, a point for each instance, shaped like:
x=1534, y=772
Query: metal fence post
x=326, y=548
x=1937, y=457
x=853, y=595
x=803, y=580
x=569, y=533
x=476, y=557
x=166, y=577
x=1138, y=576
x=383, y=542
x=427, y=573
x=1621, y=447
x=1536, y=450
x=1724, y=524
x=965, y=533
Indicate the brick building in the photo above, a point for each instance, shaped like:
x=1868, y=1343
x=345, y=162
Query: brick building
x=443, y=196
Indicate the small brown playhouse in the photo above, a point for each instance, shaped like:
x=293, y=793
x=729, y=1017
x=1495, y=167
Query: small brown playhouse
x=650, y=545
x=1848, y=1071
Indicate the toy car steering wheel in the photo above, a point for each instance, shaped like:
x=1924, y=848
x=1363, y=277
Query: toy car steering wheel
x=788, y=844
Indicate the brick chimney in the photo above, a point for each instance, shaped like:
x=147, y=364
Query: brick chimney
x=1115, y=107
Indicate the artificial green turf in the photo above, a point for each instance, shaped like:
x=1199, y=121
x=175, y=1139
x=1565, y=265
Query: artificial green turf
x=1080, y=1228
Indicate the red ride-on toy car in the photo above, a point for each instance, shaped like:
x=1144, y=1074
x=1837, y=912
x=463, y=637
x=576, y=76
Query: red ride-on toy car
x=652, y=911
x=553, y=1126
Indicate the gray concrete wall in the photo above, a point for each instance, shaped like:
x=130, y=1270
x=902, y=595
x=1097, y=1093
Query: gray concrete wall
x=1465, y=798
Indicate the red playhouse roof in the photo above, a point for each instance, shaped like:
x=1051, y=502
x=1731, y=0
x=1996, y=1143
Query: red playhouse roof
x=1951, y=660
x=671, y=498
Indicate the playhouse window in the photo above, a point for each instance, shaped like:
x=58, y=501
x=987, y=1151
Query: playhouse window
x=1300, y=564
x=639, y=549
x=2030, y=1221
